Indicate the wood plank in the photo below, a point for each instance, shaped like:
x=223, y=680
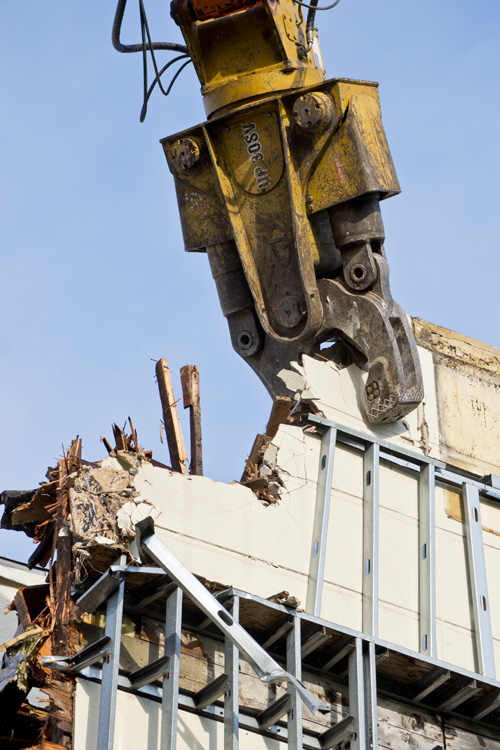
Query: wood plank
x=279, y=415
x=171, y=419
x=190, y=381
x=22, y=609
x=403, y=726
x=461, y=739
x=251, y=465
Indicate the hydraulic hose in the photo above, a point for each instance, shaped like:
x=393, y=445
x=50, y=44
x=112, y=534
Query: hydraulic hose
x=119, y=47
x=311, y=16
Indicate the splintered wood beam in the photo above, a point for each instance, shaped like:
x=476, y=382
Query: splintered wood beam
x=258, y=447
x=190, y=381
x=171, y=419
x=22, y=610
x=279, y=415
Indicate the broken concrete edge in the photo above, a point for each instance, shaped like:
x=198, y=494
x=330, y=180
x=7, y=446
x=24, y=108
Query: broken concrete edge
x=324, y=387
x=82, y=516
x=261, y=473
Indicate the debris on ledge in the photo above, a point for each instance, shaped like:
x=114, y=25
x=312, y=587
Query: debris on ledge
x=260, y=473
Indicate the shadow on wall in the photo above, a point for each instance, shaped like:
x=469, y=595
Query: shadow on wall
x=8, y=620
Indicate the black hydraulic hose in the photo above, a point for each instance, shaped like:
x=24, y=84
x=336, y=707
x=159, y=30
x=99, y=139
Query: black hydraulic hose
x=157, y=80
x=311, y=15
x=119, y=47
x=321, y=7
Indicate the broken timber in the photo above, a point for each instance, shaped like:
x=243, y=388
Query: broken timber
x=190, y=381
x=171, y=419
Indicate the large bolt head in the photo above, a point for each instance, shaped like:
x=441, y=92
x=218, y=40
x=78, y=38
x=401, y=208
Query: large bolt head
x=313, y=111
x=185, y=153
x=290, y=312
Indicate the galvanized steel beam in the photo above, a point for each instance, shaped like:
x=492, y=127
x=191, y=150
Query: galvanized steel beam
x=429, y=683
x=457, y=693
x=321, y=516
x=340, y=649
x=110, y=668
x=170, y=693
x=149, y=673
x=211, y=692
x=370, y=539
x=485, y=657
x=231, y=697
x=265, y=666
x=274, y=712
x=363, y=695
x=294, y=666
x=427, y=561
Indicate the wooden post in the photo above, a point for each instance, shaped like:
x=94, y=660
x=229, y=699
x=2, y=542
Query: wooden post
x=279, y=414
x=171, y=420
x=190, y=380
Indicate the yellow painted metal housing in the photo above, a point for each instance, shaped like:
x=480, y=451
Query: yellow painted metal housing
x=255, y=176
x=250, y=53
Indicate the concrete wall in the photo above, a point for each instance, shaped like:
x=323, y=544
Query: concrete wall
x=225, y=534
x=467, y=391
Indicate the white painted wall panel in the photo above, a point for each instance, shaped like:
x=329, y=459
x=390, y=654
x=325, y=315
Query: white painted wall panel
x=8, y=620
x=12, y=576
x=138, y=723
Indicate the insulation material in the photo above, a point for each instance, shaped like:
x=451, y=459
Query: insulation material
x=105, y=503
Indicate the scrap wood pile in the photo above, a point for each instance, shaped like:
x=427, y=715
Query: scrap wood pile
x=45, y=613
x=73, y=518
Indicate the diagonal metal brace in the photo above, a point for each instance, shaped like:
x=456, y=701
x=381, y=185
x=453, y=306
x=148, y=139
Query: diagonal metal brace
x=264, y=665
x=97, y=651
x=150, y=673
x=274, y=712
x=211, y=692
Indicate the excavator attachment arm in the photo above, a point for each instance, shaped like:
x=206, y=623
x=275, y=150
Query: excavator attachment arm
x=281, y=187
x=283, y=194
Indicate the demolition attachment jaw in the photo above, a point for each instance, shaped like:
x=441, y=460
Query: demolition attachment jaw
x=377, y=329
x=359, y=307
x=284, y=196
x=281, y=187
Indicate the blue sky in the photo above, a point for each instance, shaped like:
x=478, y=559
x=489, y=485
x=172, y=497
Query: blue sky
x=96, y=284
